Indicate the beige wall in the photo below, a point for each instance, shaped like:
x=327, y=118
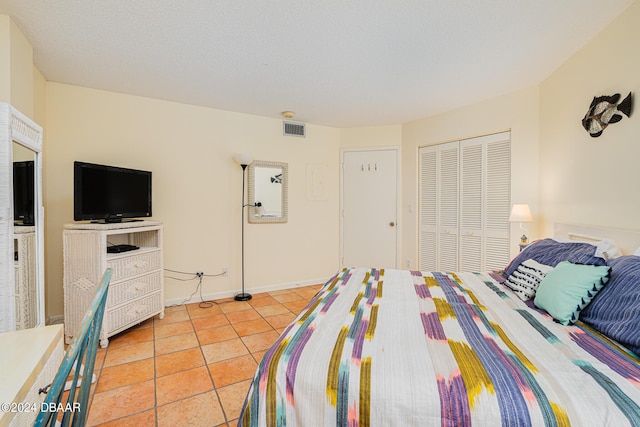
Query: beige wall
x=585, y=180
x=196, y=187
x=374, y=136
x=517, y=112
x=16, y=67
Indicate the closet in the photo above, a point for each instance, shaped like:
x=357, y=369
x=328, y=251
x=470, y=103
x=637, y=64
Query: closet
x=464, y=196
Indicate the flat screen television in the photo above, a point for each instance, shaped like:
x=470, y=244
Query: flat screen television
x=23, y=192
x=110, y=193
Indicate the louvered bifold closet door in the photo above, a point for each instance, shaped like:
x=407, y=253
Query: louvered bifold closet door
x=471, y=205
x=448, y=158
x=497, y=201
x=428, y=189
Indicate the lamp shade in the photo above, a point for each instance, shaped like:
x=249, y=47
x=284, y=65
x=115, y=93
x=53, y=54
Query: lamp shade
x=520, y=213
x=243, y=158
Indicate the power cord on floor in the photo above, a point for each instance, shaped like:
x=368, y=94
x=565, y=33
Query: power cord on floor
x=199, y=275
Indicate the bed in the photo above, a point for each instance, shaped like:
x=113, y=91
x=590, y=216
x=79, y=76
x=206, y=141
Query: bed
x=392, y=347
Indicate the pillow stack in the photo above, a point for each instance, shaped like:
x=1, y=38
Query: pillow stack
x=562, y=291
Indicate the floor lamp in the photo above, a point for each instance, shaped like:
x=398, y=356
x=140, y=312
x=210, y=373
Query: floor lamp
x=243, y=160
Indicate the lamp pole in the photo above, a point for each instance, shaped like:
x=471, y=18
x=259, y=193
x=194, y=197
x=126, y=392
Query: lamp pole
x=243, y=296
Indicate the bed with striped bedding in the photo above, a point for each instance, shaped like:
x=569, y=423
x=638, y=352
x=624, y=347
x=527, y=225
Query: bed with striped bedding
x=401, y=348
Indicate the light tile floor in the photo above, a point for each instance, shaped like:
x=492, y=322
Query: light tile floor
x=192, y=368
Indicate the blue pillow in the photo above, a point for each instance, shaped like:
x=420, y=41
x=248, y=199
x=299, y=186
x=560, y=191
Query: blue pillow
x=551, y=252
x=615, y=311
x=569, y=288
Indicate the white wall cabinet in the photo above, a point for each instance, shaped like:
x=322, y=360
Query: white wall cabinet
x=136, y=292
x=464, y=204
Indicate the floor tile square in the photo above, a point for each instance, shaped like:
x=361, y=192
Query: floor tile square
x=163, y=330
x=242, y=315
x=128, y=353
x=213, y=335
x=208, y=322
x=280, y=320
x=171, y=388
x=120, y=402
x=131, y=337
x=141, y=419
x=232, y=398
x=126, y=374
x=272, y=310
x=251, y=327
x=224, y=350
x=292, y=296
x=261, y=341
x=202, y=410
x=230, y=307
x=232, y=370
x=179, y=361
x=176, y=343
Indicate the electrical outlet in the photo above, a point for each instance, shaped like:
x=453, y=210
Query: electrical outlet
x=225, y=272
x=408, y=263
x=199, y=273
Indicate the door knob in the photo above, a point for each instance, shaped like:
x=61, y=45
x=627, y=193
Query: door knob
x=392, y=224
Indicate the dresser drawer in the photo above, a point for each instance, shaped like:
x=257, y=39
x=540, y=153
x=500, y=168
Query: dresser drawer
x=134, y=312
x=131, y=289
x=134, y=265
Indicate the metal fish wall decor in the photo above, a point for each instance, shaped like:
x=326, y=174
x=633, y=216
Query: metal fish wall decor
x=605, y=110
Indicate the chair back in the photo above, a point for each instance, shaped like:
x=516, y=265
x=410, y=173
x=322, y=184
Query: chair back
x=80, y=357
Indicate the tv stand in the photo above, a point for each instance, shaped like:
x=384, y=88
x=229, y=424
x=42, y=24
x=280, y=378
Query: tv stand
x=136, y=291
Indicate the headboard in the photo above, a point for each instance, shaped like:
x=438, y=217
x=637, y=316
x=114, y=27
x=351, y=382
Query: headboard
x=627, y=240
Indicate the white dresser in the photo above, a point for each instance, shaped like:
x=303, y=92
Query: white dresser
x=136, y=291
x=28, y=362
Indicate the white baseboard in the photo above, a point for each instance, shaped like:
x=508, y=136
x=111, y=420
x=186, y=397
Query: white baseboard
x=229, y=294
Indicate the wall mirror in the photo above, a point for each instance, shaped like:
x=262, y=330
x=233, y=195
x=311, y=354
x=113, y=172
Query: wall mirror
x=21, y=222
x=268, y=193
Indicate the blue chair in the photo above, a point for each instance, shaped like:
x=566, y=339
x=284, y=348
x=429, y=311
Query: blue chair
x=80, y=357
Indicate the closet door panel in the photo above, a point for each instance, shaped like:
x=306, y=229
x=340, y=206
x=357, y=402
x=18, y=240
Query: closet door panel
x=471, y=205
x=427, y=260
x=448, y=206
x=497, y=202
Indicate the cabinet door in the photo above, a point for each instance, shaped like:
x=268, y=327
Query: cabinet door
x=448, y=207
x=428, y=218
x=497, y=202
x=472, y=179
x=438, y=216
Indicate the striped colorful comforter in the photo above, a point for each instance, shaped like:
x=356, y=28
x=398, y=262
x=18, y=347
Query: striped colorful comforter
x=401, y=348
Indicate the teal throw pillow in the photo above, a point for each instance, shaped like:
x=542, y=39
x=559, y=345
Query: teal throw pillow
x=569, y=288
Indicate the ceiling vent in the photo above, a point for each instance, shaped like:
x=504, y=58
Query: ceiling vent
x=293, y=129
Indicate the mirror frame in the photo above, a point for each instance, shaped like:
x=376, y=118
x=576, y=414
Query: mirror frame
x=252, y=193
x=18, y=128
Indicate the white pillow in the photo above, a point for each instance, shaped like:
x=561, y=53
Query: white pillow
x=525, y=280
x=607, y=249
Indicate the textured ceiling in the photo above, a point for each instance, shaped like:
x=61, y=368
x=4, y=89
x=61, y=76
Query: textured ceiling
x=334, y=62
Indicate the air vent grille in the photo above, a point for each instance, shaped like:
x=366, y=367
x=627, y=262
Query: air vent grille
x=293, y=129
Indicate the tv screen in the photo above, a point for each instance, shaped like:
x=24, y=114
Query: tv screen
x=110, y=193
x=23, y=192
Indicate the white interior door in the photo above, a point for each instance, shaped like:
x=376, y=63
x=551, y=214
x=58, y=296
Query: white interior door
x=370, y=208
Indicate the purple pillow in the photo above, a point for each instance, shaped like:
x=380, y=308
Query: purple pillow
x=551, y=252
x=615, y=311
